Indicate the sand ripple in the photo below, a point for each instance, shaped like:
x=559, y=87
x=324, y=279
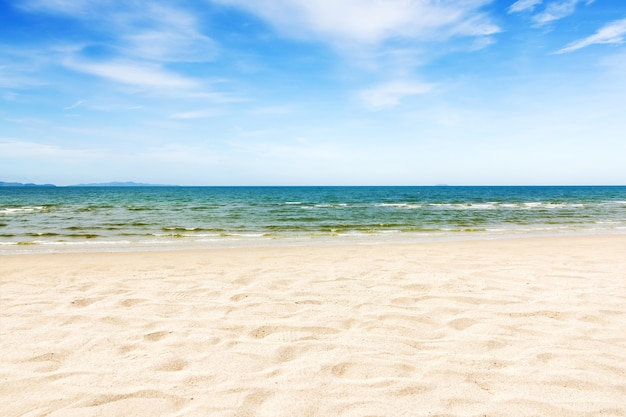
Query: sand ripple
x=524, y=327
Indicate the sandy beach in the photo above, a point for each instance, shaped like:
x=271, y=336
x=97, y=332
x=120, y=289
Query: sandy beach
x=509, y=327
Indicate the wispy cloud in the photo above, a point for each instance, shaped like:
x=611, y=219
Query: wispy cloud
x=390, y=94
x=167, y=46
x=134, y=46
x=18, y=76
x=165, y=34
x=137, y=30
x=356, y=22
x=142, y=75
x=73, y=106
x=553, y=11
x=524, y=5
x=613, y=32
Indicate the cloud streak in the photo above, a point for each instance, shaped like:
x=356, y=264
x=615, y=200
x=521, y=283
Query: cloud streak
x=524, y=5
x=612, y=33
x=134, y=74
x=73, y=106
x=164, y=34
x=148, y=30
x=553, y=11
x=392, y=93
x=371, y=22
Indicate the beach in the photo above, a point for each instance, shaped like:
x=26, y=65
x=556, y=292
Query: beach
x=527, y=326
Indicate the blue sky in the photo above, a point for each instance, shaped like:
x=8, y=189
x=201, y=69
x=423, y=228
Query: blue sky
x=324, y=92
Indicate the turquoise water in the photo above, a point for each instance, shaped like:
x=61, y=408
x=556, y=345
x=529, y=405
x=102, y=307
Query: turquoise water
x=121, y=218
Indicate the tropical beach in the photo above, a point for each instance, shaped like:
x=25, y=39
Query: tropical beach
x=501, y=327
x=328, y=208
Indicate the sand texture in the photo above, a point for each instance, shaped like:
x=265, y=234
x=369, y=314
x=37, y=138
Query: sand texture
x=517, y=327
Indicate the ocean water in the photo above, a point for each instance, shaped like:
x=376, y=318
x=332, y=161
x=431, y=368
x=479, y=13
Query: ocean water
x=130, y=218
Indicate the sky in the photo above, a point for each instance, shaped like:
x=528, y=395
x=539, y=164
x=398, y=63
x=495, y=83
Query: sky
x=313, y=92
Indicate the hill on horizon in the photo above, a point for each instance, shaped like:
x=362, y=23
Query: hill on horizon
x=101, y=184
x=120, y=184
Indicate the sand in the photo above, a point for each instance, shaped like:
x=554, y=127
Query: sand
x=511, y=327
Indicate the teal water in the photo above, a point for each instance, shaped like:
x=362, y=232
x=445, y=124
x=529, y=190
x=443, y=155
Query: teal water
x=80, y=218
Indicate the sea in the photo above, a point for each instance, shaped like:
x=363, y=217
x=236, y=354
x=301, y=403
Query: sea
x=77, y=219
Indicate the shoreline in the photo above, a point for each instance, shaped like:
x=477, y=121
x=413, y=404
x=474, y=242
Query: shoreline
x=119, y=219
x=332, y=241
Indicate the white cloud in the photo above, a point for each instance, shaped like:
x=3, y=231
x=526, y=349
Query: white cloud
x=134, y=74
x=145, y=30
x=555, y=11
x=169, y=46
x=613, y=32
x=524, y=5
x=369, y=22
x=141, y=39
x=73, y=106
x=16, y=76
x=390, y=94
x=164, y=34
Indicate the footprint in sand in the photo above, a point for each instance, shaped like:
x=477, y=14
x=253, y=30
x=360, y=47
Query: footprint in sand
x=130, y=302
x=462, y=323
x=172, y=365
x=156, y=336
x=239, y=297
x=288, y=353
x=50, y=361
x=84, y=302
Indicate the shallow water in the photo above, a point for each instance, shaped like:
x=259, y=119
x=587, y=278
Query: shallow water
x=80, y=218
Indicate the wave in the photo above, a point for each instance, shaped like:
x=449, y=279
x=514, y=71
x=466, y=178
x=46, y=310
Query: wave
x=24, y=209
x=186, y=216
x=92, y=208
x=171, y=229
x=43, y=234
x=400, y=205
x=140, y=208
x=83, y=235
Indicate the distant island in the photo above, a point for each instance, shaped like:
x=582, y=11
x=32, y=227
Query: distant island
x=19, y=184
x=120, y=184
x=103, y=184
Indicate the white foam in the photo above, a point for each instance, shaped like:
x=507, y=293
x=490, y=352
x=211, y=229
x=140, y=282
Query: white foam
x=17, y=210
x=400, y=205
